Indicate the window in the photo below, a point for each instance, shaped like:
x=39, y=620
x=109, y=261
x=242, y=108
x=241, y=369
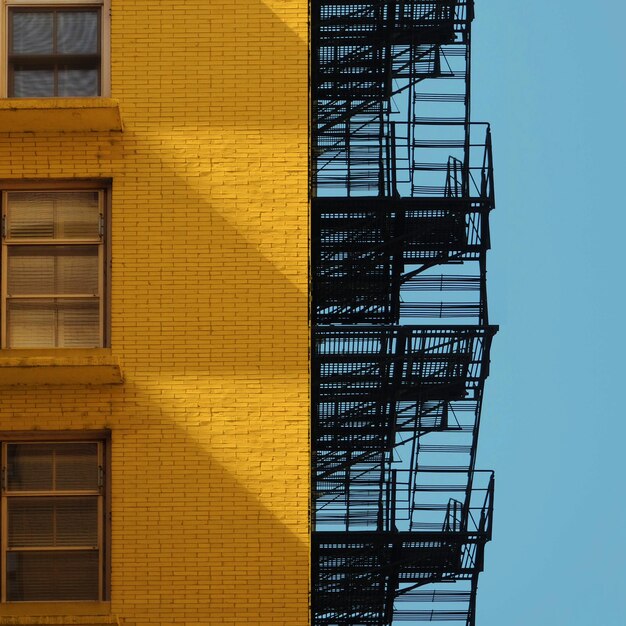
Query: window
x=53, y=268
x=53, y=515
x=56, y=49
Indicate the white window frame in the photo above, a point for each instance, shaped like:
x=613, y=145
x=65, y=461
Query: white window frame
x=105, y=37
x=103, y=190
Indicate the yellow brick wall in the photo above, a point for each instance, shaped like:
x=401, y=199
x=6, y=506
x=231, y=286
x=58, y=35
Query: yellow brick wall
x=209, y=310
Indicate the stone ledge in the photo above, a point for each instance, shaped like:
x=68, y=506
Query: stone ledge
x=93, y=366
x=61, y=620
x=75, y=613
x=59, y=115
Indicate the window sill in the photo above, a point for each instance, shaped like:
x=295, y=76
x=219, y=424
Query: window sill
x=92, y=366
x=35, y=613
x=61, y=620
x=59, y=114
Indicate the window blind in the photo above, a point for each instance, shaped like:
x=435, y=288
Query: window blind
x=53, y=291
x=52, y=466
x=77, y=32
x=53, y=521
x=50, y=215
x=32, y=32
x=54, y=52
x=50, y=576
x=32, y=83
x=53, y=323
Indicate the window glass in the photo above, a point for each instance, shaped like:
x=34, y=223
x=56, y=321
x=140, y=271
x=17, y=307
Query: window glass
x=53, y=269
x=32, y=83
x=77, y=32
x=32, y=33
x=52, y=291
x=78, y=83
x=53, y=323
x=53, y=520
x=53, y=215
x=54, y=52
x=52, y=576
x=52, y=466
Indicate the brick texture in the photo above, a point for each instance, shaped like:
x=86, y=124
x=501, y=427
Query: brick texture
x=210, y=457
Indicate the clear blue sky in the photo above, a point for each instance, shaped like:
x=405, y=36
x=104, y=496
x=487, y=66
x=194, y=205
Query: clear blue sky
x=551, y=77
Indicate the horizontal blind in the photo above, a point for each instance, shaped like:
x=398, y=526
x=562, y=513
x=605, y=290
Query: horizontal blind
x=52, y=466
x=52, y=522
x=53, y=533
x=53, y=291
x=62, y=270
x=53, y=215
x=50, y=576
x=53, y=323
x=78, y=83
x=77, y=32
x=31, y=324
x=32, y=32
x=54, y=52
x=32, y=83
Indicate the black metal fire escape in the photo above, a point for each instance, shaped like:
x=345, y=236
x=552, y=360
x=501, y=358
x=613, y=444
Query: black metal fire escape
x=402, y=190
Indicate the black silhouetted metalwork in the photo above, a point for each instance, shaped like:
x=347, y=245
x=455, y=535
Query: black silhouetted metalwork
x=402, y=186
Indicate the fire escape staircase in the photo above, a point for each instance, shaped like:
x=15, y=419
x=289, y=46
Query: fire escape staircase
x=402, y=186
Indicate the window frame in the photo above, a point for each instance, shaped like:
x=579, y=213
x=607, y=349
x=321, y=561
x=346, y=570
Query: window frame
x=105, y=39
x=104, y=251
x=103, y=439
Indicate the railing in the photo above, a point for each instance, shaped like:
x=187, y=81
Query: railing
x=354, y=16
x=370, y=56
x=486, y=180
x=400, y=362
x=351, y=294
x=371, y=157
x=448, y=501
x=466, y=160
x=475, y=513
x=454, y=179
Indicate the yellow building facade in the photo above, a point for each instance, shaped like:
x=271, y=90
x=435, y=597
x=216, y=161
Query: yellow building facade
x=202, y=147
